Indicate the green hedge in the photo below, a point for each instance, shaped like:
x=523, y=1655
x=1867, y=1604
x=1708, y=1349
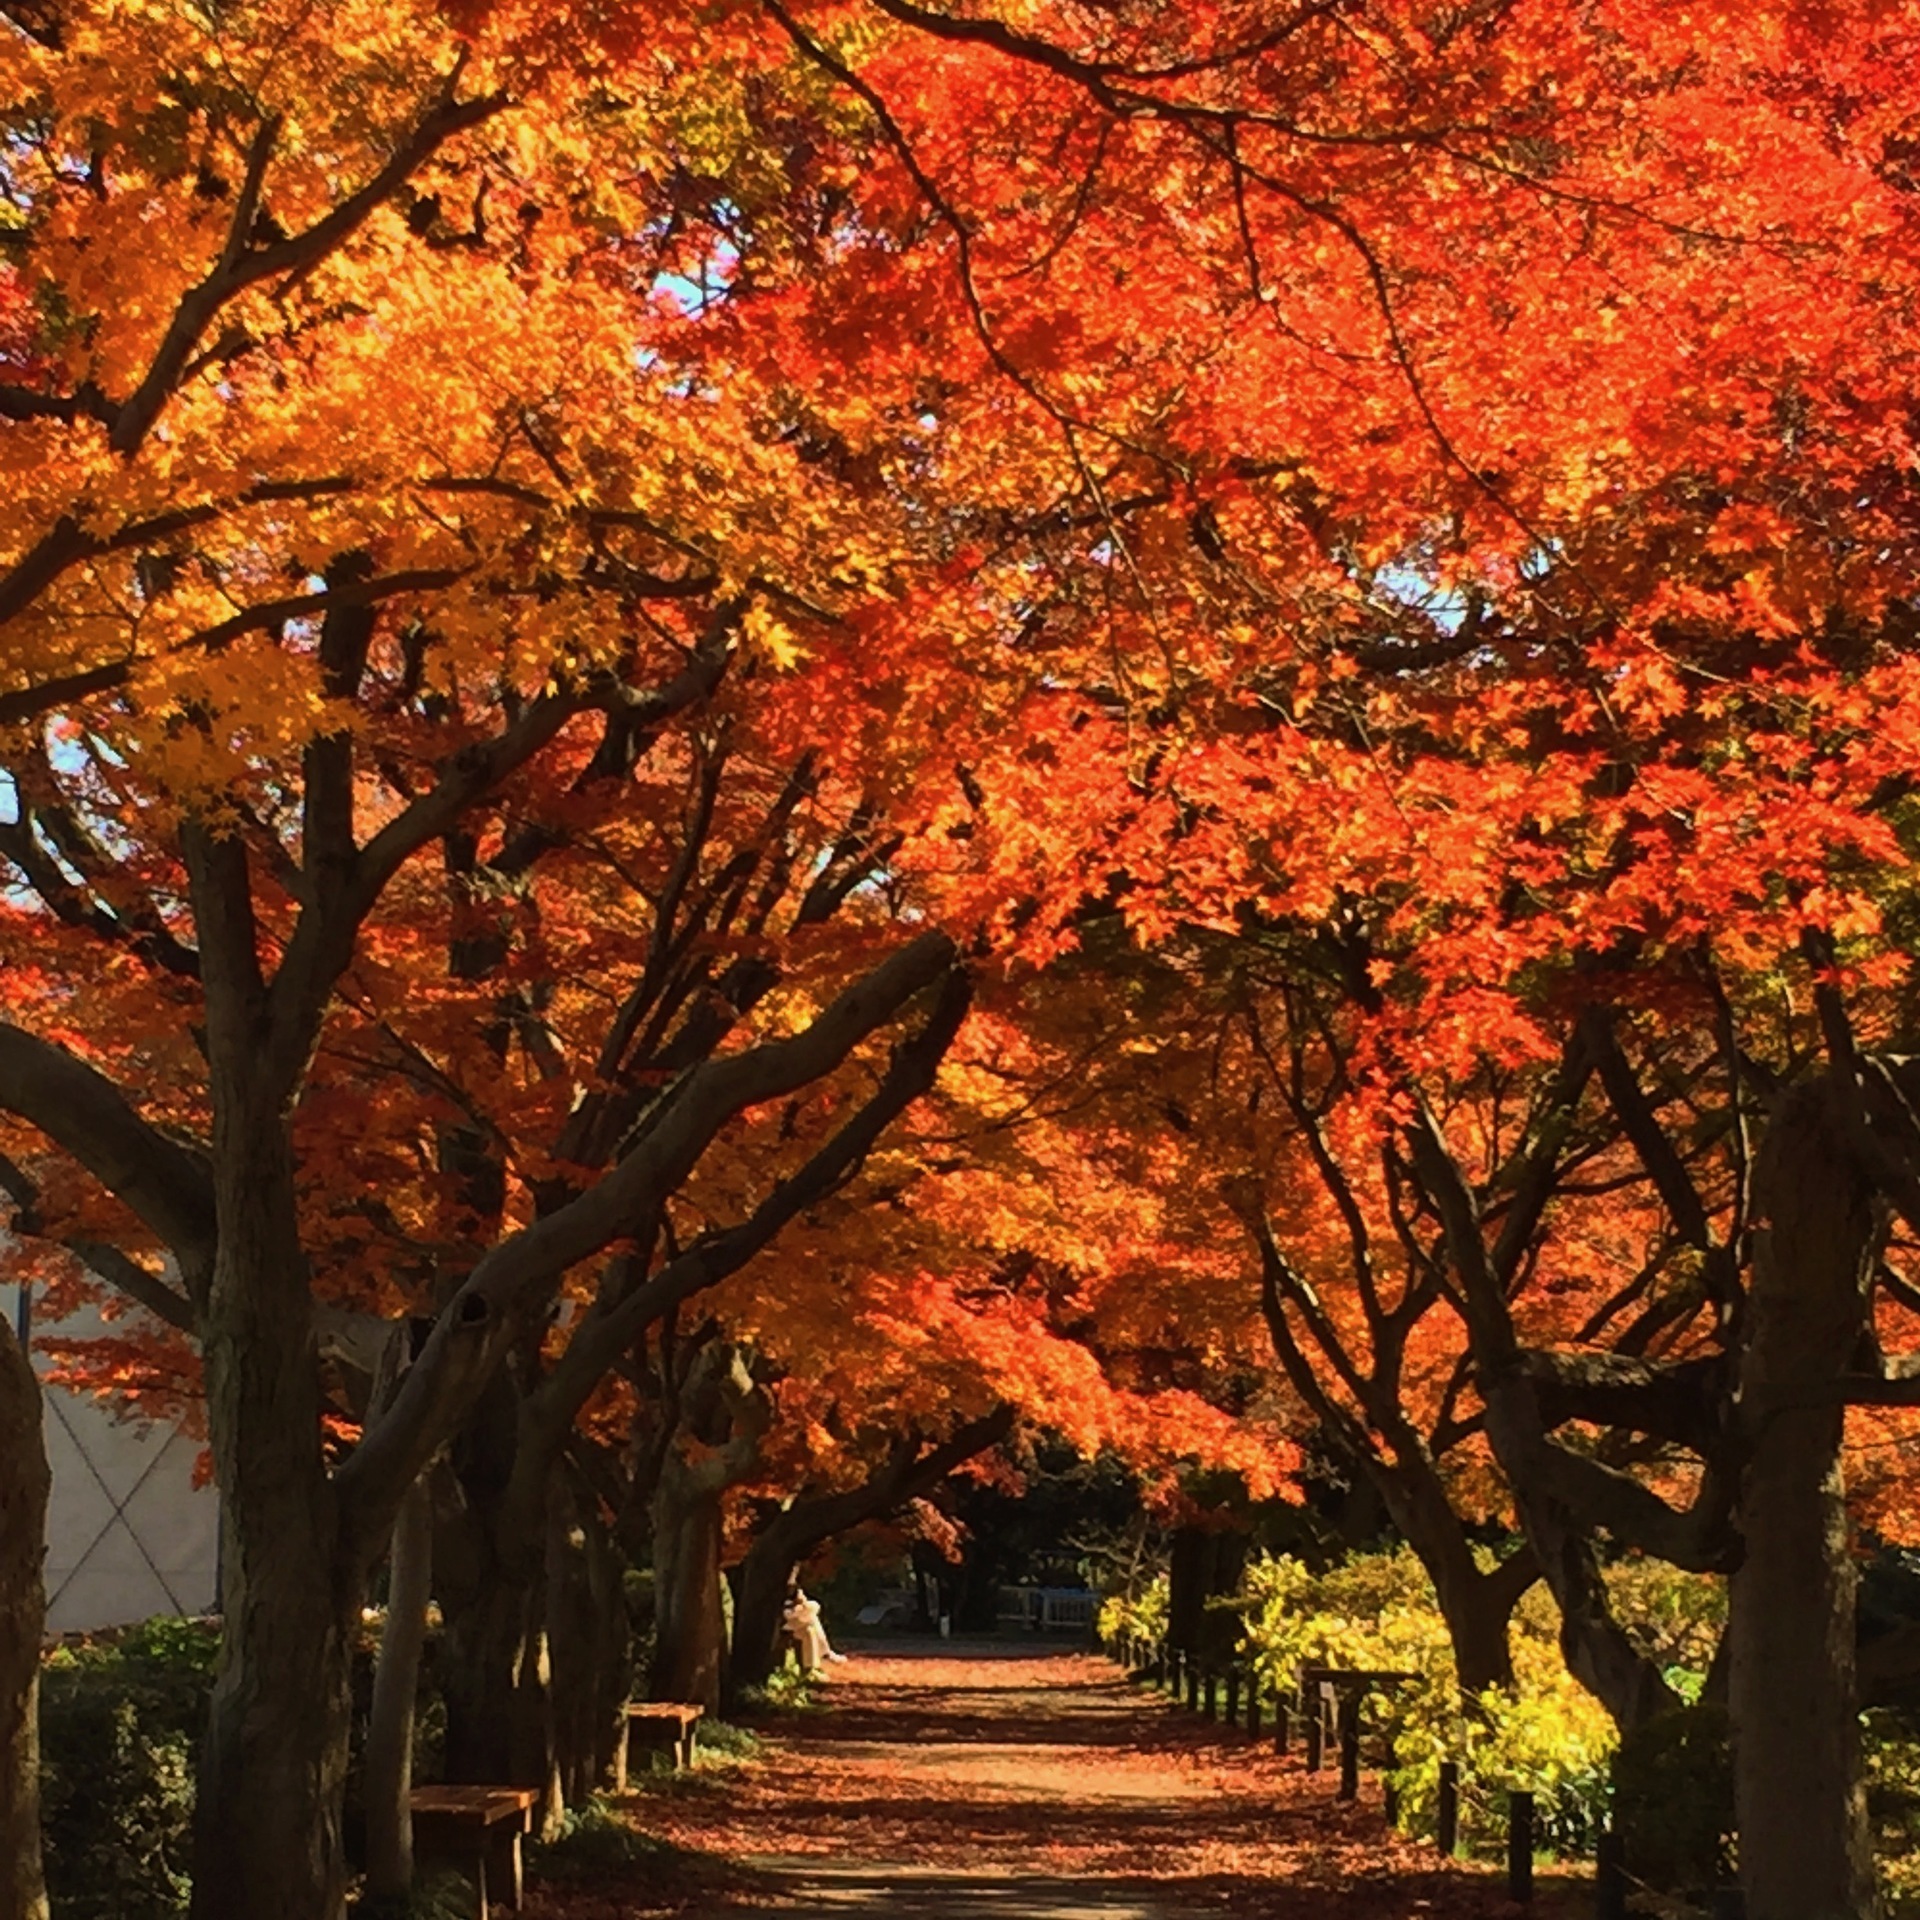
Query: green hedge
x=120, y=1724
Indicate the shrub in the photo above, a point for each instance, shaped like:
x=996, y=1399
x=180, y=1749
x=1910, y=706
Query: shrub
x=1141, y=1615
x=1673, y=1799
x=1378, y=1611
x=594, y=1844
x=1674, y=1618
x=120, y=1722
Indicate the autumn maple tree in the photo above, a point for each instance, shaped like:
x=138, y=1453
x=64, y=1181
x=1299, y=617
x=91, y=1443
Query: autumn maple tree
x=508, y=505
x=401, y=483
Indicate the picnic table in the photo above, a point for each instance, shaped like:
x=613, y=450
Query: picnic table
x=477, y=1830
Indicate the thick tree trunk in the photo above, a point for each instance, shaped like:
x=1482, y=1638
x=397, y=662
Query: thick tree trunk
x=1597, y=1650
x=1805, y=1848
x=690, y=1648
x=1477, y=1607
x=592, y=1644
x=495, y=1677
x=24, y=1484
x=489, y=1573
x=1206, y=1563
x=759, y=1607
x=388, y=1770
x=273, y=1769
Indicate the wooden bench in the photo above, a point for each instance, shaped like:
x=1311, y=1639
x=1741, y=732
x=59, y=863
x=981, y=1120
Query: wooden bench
x=477, y=1830
x=657, y=1726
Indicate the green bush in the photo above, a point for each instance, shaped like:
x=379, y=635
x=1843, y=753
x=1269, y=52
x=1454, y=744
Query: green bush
x=1377, y=1611
x=1674, y=1618
x=1673, y=1799
x=1141, y=1615
x=594, y=1844
x=120, y=1723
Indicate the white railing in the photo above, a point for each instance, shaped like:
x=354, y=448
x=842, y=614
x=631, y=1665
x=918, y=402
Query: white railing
x=1039, y=1609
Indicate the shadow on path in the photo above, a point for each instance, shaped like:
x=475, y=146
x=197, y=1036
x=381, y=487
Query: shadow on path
x=1024, y=1785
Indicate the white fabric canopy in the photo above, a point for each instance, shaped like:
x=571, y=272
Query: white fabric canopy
x=129, y=1535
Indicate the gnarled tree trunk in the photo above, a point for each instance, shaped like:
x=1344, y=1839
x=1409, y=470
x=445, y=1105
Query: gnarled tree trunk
x=24, y=1482
x=1477, y=1607
x=591, y=1639
x=489, y=1573
x=724, y=1417
x=691, y=1647
x=1805, y=1848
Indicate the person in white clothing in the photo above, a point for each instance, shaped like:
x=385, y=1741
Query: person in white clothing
x=809, y=1637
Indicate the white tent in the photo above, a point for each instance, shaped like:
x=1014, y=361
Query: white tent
x=129, y=1535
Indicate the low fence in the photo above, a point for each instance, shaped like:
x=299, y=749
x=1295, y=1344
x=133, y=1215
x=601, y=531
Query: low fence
x=1325, y=1710
x=1047, y=1609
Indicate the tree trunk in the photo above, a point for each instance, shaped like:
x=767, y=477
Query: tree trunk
x=396, y=1685
x=759, y=1607
x=1805, y=1848
x=592, y=1644
x=1597, y=1650
x=494, y=1676
x=24, y=1482
x=691, y=1632
x=489, y=1573
x=1187, y=1589
x=1477, y=1607
x=273, y=1769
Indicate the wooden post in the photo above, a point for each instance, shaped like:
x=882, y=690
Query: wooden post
x=1253, y=1705
x=1609, y=1879
x=1316, y=1730
x=1282, y=1732
x=1520, y=1847
x=1159, y=1671
x=1390, y=1802
x=1349, y=1725
x=1212, y=1708
x=1447, y=1834
x=1233, y=1696
x=1193, y=1685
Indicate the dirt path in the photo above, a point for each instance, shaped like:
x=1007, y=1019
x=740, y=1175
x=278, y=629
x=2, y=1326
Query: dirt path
x=974, y=1785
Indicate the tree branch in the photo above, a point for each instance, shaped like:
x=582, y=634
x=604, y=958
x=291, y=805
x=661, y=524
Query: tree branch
x=166, y=1185
x=481, y=1320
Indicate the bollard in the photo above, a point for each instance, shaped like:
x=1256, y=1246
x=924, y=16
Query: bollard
x=1447, y=1827
x=1212, y=1708
x=1609, y=1879
x=1520, y=1847
x=1233, y=1696
x=1349, y=1724
x=1282, y=1730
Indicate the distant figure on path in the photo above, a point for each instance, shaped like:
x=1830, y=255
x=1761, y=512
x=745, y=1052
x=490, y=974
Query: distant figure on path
x=809, y=1637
